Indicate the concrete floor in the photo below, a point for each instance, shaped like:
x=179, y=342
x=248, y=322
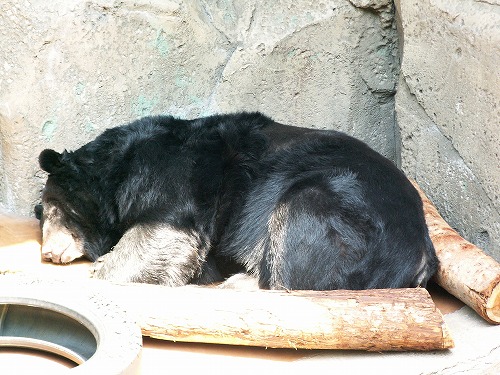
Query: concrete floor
x=477, y=343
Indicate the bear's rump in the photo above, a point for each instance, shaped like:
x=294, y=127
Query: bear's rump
x=318, y=230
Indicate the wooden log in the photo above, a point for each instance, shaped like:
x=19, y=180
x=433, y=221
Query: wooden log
x=464, y=270
x=373, y=320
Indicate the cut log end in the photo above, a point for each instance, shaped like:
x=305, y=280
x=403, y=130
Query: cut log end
x=493, y=305
x=448, y=342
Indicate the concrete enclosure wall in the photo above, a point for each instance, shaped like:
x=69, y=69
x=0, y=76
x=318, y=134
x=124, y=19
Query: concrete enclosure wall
x=71, y=68
x=448, y=110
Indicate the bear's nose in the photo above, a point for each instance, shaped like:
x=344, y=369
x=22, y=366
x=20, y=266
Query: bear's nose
x=49, y=256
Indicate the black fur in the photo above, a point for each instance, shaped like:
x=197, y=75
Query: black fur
x=183, y=201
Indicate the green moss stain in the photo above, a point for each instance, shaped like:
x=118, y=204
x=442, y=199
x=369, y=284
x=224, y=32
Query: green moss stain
x=161, y=43
x=48, y=129
x=89, y=127
x=144, y=106
x=292, y=53
x=196, y=100
x=79, y=88
x=182, y=81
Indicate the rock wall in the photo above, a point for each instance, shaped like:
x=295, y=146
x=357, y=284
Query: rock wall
x=71, y=68
x=448, y=110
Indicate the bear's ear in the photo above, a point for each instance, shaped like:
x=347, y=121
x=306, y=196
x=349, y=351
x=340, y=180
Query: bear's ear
x=38, y=211
x=50, y=160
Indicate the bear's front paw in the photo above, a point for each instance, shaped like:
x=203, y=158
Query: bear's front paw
x=100, y=270
x=113, y=267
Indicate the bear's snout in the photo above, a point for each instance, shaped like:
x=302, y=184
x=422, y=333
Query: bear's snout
x=60, y=253
x=59, y=245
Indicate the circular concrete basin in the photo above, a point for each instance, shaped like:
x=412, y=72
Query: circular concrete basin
x=95, y=335
x=45, y=326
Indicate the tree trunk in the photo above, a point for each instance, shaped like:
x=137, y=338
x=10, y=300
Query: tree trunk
x=464, y=269
x=374, y=320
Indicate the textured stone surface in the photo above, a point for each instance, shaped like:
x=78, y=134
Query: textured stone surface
x=448, y=110
x=69, y=69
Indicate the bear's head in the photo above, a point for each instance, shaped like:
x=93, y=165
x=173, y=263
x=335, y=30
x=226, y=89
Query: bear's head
x=71, y=215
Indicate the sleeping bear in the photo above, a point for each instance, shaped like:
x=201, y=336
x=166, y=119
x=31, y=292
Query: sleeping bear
x=169, y=201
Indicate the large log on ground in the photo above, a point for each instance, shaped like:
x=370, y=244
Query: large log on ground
x=374, y=320
x=464, y=269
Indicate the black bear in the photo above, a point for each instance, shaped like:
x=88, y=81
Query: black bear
x=170, y=201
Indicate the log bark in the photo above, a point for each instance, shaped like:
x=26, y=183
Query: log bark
x=373, y=320
x=464, y=270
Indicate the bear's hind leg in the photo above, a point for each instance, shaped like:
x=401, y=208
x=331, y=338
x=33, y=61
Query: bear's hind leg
x=319, y=235
x=151, y=253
